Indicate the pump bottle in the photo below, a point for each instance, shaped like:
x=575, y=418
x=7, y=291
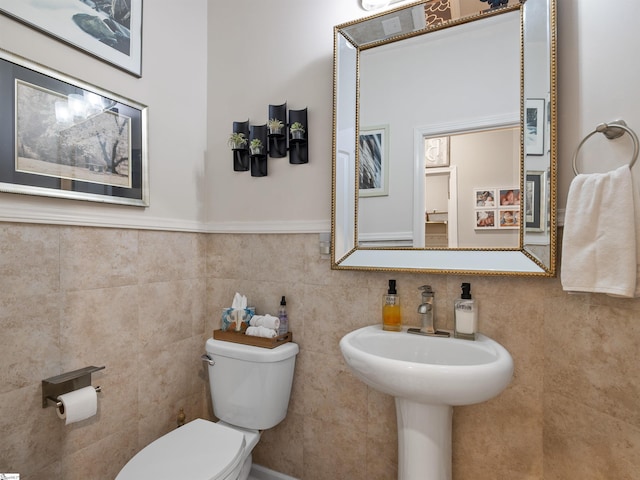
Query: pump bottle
x=466, y=315
x=284, y=318
x=391, y=314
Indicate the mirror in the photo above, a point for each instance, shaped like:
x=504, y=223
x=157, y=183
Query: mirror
x=444, y=155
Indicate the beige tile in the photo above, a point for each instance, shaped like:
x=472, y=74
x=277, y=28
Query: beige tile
x=282, y=448
x=97, y=258
x=571, y=407
x=170, y=311
x=501, y=438
x=164, y=256
x=99, y=327
x=334, y=450
x=29, y=342
x=330, y=391
x=585, y=443
x=228, y=256
x=31, y=435
x=170, y=372
x=589, y=361
x=29, y=260
x=100, y=460
x=334, y=311
x=382, y=437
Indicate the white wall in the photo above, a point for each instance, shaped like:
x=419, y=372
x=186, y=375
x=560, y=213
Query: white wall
x=598, y=82
x=173, y=86
x=597, y=77
x=267, y=53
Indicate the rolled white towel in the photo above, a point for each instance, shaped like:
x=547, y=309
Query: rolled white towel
x=268, y=321
x=261, y=332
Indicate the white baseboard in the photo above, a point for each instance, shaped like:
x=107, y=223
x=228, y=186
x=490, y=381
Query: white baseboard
x=262, y=473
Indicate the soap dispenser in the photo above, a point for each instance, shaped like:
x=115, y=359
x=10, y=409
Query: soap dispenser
x=465, y=315
x=391, y=314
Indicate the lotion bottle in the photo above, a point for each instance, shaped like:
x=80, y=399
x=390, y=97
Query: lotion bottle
x=466, y=315
x=391, y=314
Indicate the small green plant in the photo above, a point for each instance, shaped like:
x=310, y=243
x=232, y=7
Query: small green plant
x=255, y=146
x=297, y=127
x=237, y=140
x=275, y=125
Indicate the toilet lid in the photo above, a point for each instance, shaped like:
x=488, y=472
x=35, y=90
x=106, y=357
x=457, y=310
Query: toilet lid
x=200, y=450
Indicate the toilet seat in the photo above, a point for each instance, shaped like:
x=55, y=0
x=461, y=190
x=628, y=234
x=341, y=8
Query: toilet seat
x=200, y=450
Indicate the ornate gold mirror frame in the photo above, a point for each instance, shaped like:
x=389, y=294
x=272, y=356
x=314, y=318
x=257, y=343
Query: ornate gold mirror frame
x=534, y=252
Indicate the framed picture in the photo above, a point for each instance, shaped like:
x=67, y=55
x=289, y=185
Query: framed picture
x=485, y=219
x=110, y=30
x=509, y=196
x=534, y=124
x=534, y=201
x=485, y=198
x=496, y=207
x=63, y=138
x=436, y=152
x=373, y=149
x=508, y=218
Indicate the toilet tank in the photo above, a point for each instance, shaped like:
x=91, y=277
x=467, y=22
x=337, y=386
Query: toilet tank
x=251, y=386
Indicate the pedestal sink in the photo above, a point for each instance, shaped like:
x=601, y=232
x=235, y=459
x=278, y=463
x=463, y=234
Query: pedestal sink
x=427, y=376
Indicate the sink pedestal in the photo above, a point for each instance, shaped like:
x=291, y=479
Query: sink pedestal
x=424, y=440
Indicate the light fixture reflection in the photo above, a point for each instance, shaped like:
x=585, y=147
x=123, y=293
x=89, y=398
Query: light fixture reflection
x=375, y=4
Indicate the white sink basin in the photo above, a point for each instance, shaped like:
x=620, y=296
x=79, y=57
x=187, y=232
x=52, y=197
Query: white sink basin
x=427, y=376
x=432, y=370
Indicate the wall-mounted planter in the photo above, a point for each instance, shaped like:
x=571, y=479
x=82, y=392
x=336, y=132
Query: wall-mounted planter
x=276, y=137
x=241, y=153
x=258, y=133
x=298, y=139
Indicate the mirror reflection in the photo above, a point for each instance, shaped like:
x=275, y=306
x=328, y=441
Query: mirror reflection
x=450, y=139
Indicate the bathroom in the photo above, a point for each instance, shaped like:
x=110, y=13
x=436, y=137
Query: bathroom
x=145, y=308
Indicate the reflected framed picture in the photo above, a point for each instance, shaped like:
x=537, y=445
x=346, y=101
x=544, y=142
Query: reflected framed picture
x=60, y=137
x=484, y=197
x=509, y=196
x=485, y=219
x=508, y=218
x=110, y=30
x=436, y=152
x=373, y=151
x=534, y=201
x=534, y=125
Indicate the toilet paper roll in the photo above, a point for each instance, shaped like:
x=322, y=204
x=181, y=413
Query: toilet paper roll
x=78, y=405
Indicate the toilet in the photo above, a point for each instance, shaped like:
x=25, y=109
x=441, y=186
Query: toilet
x=250, y=389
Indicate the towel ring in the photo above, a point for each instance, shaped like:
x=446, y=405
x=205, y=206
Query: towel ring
x=611, y=131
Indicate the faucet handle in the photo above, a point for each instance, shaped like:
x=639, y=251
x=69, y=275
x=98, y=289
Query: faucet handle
x=426, y=290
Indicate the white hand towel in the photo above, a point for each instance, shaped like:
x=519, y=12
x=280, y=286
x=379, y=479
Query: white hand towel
x=267, y=320
x=261, y=332
x=599, y=242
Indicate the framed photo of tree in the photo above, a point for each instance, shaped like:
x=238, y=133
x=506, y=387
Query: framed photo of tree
x=60, y=137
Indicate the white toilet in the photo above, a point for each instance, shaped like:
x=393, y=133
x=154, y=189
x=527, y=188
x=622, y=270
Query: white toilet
x=250, y=389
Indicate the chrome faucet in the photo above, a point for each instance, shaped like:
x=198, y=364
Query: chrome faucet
x=426, y=309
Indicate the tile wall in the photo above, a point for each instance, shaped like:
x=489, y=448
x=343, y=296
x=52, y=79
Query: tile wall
x=143, y=302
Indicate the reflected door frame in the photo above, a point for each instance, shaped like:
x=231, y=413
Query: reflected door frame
x=419, y=203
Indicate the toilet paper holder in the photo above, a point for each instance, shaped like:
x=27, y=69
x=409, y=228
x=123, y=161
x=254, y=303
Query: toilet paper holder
x=53, y=387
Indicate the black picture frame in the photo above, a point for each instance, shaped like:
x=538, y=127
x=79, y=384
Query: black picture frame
x=97, y=153
x=534, y=199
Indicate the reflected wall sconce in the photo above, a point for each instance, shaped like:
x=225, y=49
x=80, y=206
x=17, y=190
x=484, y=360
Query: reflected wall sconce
x=378, y=4
x=252, y=145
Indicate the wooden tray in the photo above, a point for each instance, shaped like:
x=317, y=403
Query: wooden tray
x=239, y=337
